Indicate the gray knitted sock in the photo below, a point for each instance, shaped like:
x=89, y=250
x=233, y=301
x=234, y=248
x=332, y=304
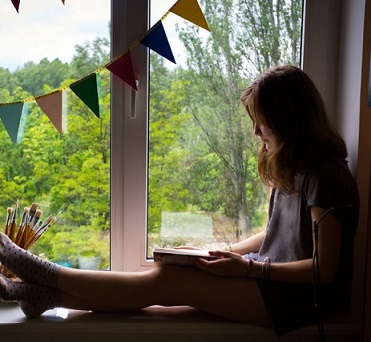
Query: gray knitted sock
x=27, y=266
x=34, y=299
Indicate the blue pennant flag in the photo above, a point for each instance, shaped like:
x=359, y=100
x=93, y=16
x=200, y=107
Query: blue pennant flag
x=157, y=41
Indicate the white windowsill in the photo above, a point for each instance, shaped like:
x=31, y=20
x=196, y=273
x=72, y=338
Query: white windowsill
x=153, y=324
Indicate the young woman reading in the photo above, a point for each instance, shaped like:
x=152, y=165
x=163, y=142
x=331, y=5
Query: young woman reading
x=265, y=280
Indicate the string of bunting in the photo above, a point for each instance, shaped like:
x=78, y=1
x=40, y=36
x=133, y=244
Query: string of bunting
x=16, y=4
x=53, y=104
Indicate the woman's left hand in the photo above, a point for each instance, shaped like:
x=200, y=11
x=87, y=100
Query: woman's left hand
x=228, y=264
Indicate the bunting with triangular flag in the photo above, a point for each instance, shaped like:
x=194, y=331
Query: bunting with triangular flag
x=191, y=11
x=54, y=106
x=123, y=68
x=22, y=123
x=156, y=40
x=16, y=4
x=11, y=117
x=88, y=91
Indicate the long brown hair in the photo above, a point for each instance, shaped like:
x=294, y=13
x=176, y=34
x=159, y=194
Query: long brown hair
x=287, y=100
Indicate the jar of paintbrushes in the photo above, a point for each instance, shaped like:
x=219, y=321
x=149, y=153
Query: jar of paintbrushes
x=25, y=228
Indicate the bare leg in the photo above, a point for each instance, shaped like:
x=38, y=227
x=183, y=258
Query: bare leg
x=105, y=290
x=234, y=298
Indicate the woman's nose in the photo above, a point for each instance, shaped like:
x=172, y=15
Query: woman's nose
x=256, y=129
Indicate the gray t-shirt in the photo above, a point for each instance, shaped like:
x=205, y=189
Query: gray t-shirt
x=289, y=238
x=289, y=229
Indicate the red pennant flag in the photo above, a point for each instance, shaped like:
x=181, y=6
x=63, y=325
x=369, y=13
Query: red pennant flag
x=123, y=68
x=190, y=10
x=53, y=105
x=16, y=4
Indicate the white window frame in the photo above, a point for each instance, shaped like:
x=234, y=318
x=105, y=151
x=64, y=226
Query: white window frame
x=129, y=112
x=130, y=20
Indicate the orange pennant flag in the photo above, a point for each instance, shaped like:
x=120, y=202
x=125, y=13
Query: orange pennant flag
x=53, y=105
x=191, y=11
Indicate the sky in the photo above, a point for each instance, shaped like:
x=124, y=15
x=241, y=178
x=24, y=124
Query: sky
x=47, y=28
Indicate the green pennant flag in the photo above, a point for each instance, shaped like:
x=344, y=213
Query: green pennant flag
x=11, y=116
x=88, y=90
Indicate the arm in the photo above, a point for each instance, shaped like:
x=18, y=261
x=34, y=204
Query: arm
x=232, y=264
x=329, y=241
x=249, y=245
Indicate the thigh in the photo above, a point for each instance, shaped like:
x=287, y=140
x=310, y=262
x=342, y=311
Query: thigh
x=235, y=298
x=299, y=304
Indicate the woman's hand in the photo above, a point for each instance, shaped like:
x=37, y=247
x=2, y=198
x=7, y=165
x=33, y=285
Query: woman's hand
x=228, y=264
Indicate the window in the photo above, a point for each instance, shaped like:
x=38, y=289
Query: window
x=47, y=47
x=188, y=177
x=203, y=187
x=130, y=178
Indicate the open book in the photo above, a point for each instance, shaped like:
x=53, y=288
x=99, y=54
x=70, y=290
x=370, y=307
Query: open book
x=183, y=257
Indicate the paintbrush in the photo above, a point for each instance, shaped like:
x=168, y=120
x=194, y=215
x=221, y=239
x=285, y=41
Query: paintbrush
x=40, y=231
x=7, y=221
x=27, y=227
x=36, y=218
x=33, y=210
x=22, y=225
x=33, y=226
x=13, y=224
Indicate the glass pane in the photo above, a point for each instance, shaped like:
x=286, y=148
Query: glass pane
x=203, y=186
x=45, y=48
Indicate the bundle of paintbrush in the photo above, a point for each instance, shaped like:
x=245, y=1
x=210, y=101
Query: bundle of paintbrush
x=30, y=228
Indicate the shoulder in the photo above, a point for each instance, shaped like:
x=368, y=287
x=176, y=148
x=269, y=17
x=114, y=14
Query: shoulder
x=329, y=176
x=330, y=185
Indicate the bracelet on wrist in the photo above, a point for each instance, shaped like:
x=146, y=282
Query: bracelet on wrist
x=266, y=267
x=249, y=266
x=228, y=248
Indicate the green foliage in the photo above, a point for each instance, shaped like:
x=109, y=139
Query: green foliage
x=69, y=170
x=166, y=191
x=216, y=151
x=202, y=155
x=8, y=82
x=64, y=245
x=32, y=77
x=271, y=30
x=89, y=57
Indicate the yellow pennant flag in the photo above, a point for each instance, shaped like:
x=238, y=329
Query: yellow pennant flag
x=191, y=11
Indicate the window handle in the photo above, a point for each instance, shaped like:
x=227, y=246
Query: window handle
x=133, y=109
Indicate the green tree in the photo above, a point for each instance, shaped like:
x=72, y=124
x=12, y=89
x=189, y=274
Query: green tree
x=246, y=37
x=33, y=77
x=268, y=33
x=89, y=57
x=8, y=83
x=55, y=169
x=166, y=190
